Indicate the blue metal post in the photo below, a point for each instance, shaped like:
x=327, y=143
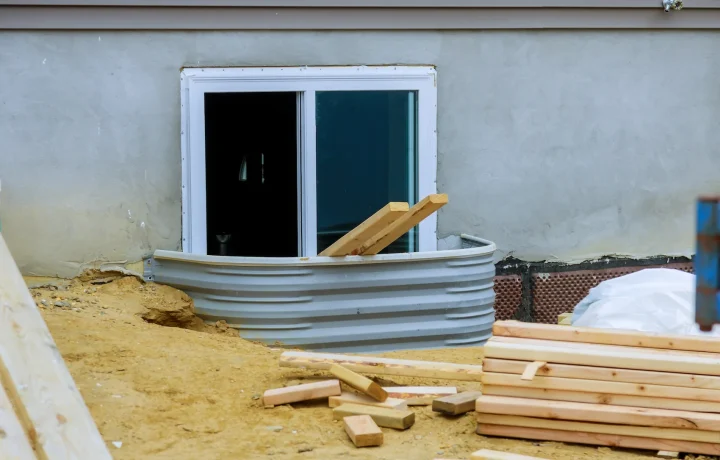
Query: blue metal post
x=707, y=263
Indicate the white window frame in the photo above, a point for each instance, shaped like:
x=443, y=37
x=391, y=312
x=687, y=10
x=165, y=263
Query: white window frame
x=304, y=81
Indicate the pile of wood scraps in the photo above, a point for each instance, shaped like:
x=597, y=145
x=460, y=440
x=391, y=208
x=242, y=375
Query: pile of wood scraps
x=384, y=227
x=365, y=406
x=602, y=387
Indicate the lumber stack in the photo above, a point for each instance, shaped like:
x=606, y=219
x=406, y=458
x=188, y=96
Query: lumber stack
x=602, y=387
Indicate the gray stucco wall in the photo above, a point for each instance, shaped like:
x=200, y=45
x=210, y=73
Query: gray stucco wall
x=555, y=145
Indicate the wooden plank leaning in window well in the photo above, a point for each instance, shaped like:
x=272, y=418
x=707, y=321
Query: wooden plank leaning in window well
x=351, y=241
x=55, y=415
x=404, y=224
x=14, y=441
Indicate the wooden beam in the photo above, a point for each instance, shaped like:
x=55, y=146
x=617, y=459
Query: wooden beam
x=605, y=373
x=667, y=454
x=420, y=396
x=389, y=418
x=352, y=398
x=351, y=241
x=456, y=404
x=404, y=224
x=626, y=357
x=605, y=336
x=598, y=413
x=382, y=366
x=597, y=386
x=486, y=454
x=531, y=369
x=363, y=431
x=676, y=434
x=304, y=392
x=14, y=441
x=359, y=382
x=612, y=440
x=603, y=398
x=32, y=367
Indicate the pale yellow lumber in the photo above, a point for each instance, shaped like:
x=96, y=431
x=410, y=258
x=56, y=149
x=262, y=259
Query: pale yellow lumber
x=564, y=316
x=566, y=322
x=382, y=366
x=363, y=431
x=602, y=356
x=389, y=418
x=577, y=437
x=351, y=241
x=605, y=336
x=404, y=224
x=605, y=373
x=352, y=398
x=603, y=398
x=486, y=454
x=456, y=404
x=531, y=369
x=676, y=434
x=14, y=442
x=668, y=454
x=420, y=396
x=359, y=382
x=53, y=408
x=304, y=392
x=597, y=413
x=598, y=386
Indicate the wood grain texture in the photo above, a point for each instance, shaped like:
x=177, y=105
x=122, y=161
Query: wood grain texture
x=677, y=434
x=456, y=404
x=404, y=224
x=502, y=366
x=36, y=379
x=599, y=386
x=388, y=418
x=352, y=398
x=363, y=431
x=597, y=413
x=350, y=243
x=420, y=396
x=605, y=336
x=359, y=382
x=304, y=392
x=486, y=454
x=598, y=439
x=531, y=369
x=382, y=366
x=14, y=442
x=603, y=398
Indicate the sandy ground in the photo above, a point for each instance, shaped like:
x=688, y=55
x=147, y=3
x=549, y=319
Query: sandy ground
x=193, y=391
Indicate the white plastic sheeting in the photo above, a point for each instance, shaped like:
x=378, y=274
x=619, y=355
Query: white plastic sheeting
x=656, y=300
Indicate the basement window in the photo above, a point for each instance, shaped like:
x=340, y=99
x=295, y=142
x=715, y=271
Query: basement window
x=281, y=162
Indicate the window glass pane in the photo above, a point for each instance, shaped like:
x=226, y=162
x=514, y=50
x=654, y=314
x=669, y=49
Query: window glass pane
x=366, y=157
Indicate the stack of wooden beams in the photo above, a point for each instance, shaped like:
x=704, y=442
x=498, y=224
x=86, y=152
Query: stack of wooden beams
x=602, y=387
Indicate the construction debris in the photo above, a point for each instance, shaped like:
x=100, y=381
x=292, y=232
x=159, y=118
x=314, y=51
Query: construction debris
x=352, y=398
x=388, y=418
x=420, y=396
x=305, y=392
x=363, y=431
x=359, y=382
x=456, y=404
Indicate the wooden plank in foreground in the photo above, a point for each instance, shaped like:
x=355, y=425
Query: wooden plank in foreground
x=598, y=386
x=352, y=398
x=486, y=454
x=382, y=366
x=359, y=382
x=603, y=398
x=363, y=431
x=351, y=241
x=304, y=392
x=14, y=442
x=404, y=224
x=605, y=336
x=420, y=396
x=708, y=382
x=456, y=404
x=677, y=434
x=602, y=356
x=33, y=370
x=389, y=418
x=597, y=439
x=598, y=413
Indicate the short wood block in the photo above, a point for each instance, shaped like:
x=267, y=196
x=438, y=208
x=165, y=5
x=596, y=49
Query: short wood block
x=305, y=392
x=388, y=418
x=352, y=398
x=359, y=382
x=363, y=431
x=668, y=454
x=456, y=404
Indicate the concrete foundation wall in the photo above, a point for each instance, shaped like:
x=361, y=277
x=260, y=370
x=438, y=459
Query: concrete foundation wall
x=555, y=145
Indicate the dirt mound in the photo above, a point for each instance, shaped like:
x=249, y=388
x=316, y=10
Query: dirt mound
x=169, y=307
